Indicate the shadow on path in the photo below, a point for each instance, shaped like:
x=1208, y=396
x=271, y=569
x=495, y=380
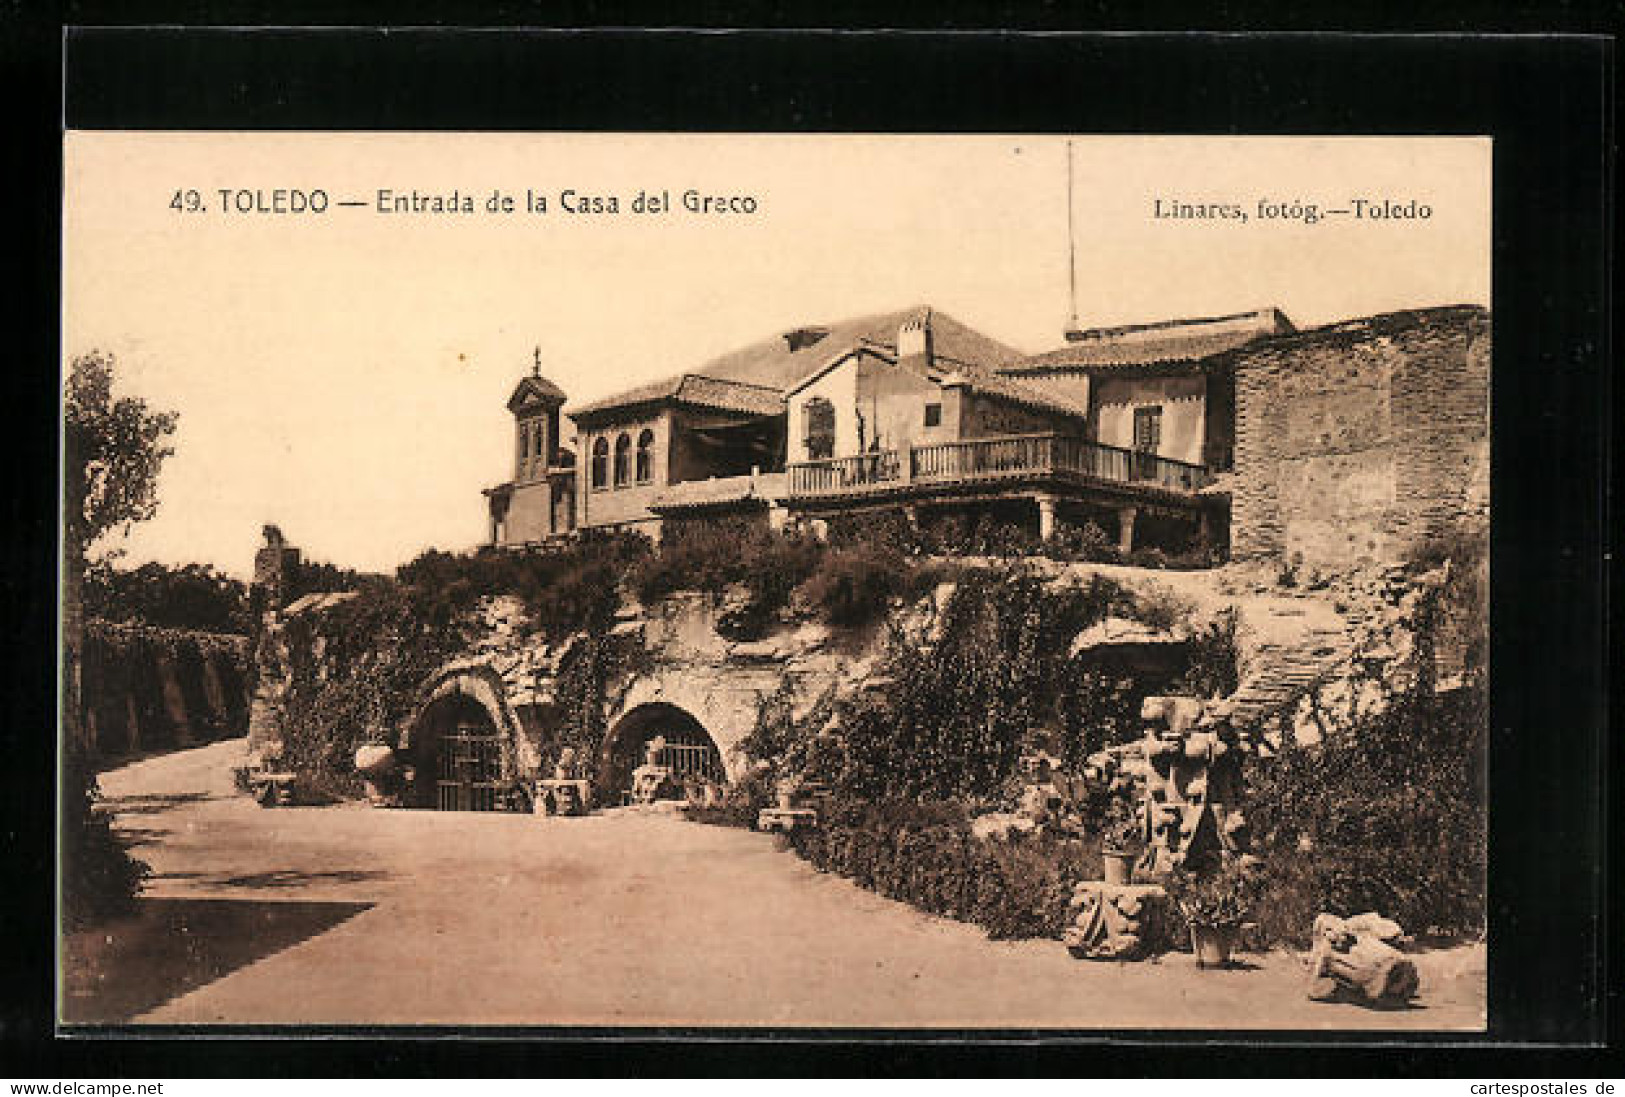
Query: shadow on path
x=171, y=946
x=150, y=803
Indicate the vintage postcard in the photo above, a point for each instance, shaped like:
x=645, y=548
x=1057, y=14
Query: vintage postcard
x=770, y=581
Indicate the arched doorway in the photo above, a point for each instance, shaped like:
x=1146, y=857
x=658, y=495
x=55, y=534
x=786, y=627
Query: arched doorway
x=689, y=750
x=458, y=757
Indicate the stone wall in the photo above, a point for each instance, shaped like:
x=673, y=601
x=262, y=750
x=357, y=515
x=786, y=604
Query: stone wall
x=1356, y=443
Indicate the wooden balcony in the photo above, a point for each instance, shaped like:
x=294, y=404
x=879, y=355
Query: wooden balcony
x=980, y=461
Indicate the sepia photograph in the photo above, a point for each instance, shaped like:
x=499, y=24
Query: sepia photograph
x=773, y=582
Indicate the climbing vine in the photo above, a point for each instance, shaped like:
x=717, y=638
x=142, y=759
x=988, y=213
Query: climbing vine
x=597, y=663
x=353, y=672
x=955, y=715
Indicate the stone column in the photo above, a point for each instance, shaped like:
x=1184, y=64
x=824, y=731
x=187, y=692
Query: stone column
x=1207, y=528
x=1046, y=517
x=1125, y=528
x=214, y=691
x=174, y=699
x=132, y=723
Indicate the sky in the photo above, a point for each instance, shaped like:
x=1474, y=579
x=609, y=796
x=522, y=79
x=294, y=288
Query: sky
x=343, y=374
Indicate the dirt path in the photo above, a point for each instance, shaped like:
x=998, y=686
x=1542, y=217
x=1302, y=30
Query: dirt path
x=618, y=919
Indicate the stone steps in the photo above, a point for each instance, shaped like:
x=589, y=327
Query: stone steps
x=1283, y=672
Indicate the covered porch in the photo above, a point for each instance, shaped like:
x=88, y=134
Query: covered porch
x=1058, y=476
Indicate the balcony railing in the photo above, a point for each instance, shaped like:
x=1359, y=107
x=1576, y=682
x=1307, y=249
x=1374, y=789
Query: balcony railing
x=989, y=459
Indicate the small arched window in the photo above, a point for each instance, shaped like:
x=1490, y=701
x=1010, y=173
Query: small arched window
x=646, y=456
x=623, y=461
x=600, y=463
x=818, y=419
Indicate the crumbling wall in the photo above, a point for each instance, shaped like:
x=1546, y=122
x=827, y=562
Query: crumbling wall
x=1356, y=443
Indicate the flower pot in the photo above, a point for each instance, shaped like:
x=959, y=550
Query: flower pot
x=1212, y=945
x=1118, y=866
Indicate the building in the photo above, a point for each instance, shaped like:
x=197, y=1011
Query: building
x=1124, y=427
x=539, y=503
x=1342, y=443
x=1360, y=441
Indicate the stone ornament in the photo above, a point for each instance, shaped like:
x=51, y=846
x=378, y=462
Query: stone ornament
x=1193, y=785
x=1117, y=921
x=1356, y=958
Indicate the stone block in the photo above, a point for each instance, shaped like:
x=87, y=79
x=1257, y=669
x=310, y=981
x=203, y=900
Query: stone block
x=1119, y=921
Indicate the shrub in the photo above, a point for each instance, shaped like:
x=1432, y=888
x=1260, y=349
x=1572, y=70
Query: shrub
x=742, y=802
x=924, y=854
x=1386, y=814
x=956, y=715
x=191, y=597
x=1160, y=609
x=853, y=586
x=564, y=588
x=711, y=556
x=1387, y=811
x=1215, y=654
x=1098, y=710
x=1087, y=542
x=1224, y=897
x=100, y=880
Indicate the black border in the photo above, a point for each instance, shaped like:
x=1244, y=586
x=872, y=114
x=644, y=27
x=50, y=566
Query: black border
x=1546, y=101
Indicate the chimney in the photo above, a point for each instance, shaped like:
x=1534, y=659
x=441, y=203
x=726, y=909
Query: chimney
x=955, y=390
x=914, y=337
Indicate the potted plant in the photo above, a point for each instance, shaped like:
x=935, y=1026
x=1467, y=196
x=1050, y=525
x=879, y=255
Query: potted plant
x=1215, y=904
x=1121, y=843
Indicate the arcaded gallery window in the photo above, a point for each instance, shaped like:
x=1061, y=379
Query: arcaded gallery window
x=600, y=464
x=819, y=417
x=646, y=456
x=623, y=461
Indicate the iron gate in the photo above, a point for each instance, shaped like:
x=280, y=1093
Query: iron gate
x=470, y=769
x=690, y=759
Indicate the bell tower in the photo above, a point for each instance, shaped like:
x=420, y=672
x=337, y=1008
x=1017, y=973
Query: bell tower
x=539, y=502
x=535, y=405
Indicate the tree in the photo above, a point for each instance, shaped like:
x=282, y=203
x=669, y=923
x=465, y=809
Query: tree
x=112, y=453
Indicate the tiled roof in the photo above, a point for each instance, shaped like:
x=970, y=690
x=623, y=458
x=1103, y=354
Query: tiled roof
x=1149, y=344
x=720, y=490
x=986, y=382
x=772, y=363
x=540, y=386
x=1381, y=324
x=315, y=603
x=696, y=391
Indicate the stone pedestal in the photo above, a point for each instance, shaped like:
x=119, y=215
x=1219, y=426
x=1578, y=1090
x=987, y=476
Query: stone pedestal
x=563, y=796
x=786, y=819
x=651, y=783
x=1125, y=528
x=1046, y=517
x=1119, y=921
